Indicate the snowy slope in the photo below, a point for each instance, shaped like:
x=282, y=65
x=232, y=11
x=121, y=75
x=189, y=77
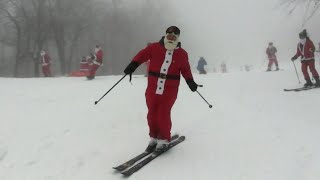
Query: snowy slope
x=50, y=129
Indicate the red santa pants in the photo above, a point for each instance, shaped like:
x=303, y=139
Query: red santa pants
x=46, y=70
x=272, y=61
x=93, y=69
x=159, y=112
x=304, y=68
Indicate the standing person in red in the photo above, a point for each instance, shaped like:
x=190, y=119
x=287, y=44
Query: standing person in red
x=96, y=62
x=84, y=64
x=45, y=61
x=306, y=50
x=271, y=53
x=167, y=61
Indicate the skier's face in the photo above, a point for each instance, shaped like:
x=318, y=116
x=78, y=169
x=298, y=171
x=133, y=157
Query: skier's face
x=171, y=37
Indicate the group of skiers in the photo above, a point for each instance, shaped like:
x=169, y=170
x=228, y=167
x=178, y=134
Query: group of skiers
x=305, y=50
x=202, y=62
x=88, y=64
x=167, y=61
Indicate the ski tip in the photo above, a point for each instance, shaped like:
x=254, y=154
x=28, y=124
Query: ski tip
x=117, y=168
x=182, y=137
x=174, y=136
x=126, y=175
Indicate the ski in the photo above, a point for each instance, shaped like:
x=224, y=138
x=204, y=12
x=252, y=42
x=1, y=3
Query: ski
x=154, y=155
x=304, y=89
x=132, y=161
x=301, y=89
x=298, y=89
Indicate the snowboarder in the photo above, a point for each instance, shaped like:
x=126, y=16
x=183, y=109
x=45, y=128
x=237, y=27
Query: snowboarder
x=200, y=67
x=45, y=63
x=271, y=53
x=167, y=61
x=96, y=62
x=305, y=50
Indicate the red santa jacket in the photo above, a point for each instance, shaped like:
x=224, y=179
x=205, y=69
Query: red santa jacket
x=45, y=59
x=84, y=64
x=165, y=66
x=271, y=52
x=98, y=57
x=306, y=51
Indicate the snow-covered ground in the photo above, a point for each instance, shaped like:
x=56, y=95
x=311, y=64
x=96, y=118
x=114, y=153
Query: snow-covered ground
x=50, y=129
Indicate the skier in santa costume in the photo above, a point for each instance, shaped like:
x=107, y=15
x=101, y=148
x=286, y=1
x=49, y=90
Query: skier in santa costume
x=45, y=63
x=271, y=53
x=167, y=61
x=306, y=50
x=96, y=62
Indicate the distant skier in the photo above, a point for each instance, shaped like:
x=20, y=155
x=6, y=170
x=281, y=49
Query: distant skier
x=223, y=67
x=200, y=67
x=271, y=53
x=84, y=64
x=305, y=50
x=45, y=63
x=84, y=67
x=167, y=61
x=96, y=62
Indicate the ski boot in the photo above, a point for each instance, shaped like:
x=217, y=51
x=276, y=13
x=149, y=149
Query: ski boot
x=317, y=84
x=308, y=83
x=162, y=145
x=90, y=77
x=269, y=69
x=277, y=68
x=152, y=145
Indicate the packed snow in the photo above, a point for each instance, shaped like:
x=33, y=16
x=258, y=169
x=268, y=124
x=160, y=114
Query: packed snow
x=50, y=128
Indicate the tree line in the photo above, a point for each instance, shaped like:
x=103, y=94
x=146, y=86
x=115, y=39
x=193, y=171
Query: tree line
x=70, y=29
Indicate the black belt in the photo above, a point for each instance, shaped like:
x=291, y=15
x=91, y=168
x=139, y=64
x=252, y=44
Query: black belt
x=164, y=76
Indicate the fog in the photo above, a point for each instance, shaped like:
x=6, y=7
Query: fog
x=234, y=32
x=238, y=32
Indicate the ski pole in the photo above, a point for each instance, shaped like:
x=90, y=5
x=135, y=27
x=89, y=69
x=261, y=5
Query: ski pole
x=210, y=106
x=296, y=71
x=96, y=102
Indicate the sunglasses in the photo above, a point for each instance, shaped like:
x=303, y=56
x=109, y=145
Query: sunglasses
x=173, y=29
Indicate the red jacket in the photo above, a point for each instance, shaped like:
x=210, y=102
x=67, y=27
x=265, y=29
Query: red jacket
x=271, y=52
x=168, y=63
x=99, y=56
x=306, y=51
x=45, y=60
x=84, y=65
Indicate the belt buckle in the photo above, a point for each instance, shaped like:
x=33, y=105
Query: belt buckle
x=162, y=76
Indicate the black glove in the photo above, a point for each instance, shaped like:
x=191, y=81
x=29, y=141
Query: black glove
x=92, y=56
x=192, y=85
x=293, y=58
x=131, y=67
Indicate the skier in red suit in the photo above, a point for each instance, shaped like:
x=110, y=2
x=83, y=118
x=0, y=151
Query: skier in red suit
x=306, y=50
x=271, y=53
x=96, y=62
x=84, y=64
x=45, y=63
x=167, y=61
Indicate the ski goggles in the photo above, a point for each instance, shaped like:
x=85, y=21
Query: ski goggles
x=173, y=29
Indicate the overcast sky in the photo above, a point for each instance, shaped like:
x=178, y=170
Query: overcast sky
x=238, y=31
